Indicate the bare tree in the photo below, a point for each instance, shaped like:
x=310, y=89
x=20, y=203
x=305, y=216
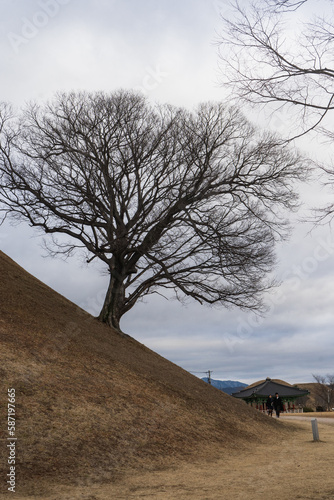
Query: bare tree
x=285, y=5
x=325, y=390
x=164, y=197
x=280, y=53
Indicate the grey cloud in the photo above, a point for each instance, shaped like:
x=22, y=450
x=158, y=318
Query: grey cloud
x=165, y=49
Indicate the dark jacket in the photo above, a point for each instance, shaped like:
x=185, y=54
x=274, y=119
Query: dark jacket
x=278, y=404
x=270, y=403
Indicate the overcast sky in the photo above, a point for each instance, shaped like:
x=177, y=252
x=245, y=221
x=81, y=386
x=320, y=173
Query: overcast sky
x=166, y=48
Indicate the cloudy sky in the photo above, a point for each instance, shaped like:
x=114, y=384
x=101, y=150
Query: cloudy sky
x=166, y=48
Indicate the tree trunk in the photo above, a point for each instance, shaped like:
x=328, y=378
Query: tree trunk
x=111, y=311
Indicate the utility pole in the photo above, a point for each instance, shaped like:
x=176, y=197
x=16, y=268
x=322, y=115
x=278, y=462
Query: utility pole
x=208, y=373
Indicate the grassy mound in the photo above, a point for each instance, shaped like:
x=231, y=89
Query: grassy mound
x=92, y=404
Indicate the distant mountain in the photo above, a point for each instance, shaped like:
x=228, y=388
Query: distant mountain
x=227, y=386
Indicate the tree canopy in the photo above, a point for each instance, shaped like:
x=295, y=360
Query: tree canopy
x=281, y=52
x=166, y=198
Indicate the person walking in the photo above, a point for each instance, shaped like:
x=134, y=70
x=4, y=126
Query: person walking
x=278, y=404
x=270, y=405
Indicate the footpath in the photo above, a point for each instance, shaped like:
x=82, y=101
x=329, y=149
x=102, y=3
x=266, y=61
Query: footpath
x=292, y=417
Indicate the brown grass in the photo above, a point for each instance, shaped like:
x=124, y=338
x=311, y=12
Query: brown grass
x=278, y=381
x=94, y=407
x=294, y=467
x=312, y=400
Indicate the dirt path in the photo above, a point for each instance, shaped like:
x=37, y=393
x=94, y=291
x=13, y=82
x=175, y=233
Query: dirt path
x=323, y=420
x=296, y=468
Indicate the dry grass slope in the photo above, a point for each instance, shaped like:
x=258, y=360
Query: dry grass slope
x=93, y=405
x=312, y=400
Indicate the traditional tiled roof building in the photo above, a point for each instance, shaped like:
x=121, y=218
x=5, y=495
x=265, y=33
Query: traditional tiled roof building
x=257, y=394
